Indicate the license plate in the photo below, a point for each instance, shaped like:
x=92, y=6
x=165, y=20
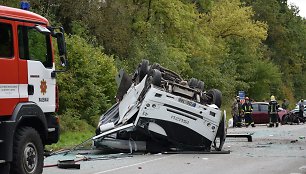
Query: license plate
x=187, y=102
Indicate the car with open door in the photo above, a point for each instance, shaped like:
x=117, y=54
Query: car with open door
x=260, y=113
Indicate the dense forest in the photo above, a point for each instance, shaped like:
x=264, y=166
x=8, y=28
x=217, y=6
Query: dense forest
x=258, y=46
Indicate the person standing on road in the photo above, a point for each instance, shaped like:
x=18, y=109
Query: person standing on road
x=285, y=104
x=247, y=110
x=272, y=111
x=301, y=110
x=236, y=109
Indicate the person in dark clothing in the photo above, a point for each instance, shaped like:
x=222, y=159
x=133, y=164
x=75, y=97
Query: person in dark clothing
x=247, y=110
x=272, y=111
x=236, y=109
x=285, y=104
x=301, y=110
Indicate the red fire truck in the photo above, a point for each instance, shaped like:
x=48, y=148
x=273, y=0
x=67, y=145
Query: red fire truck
x=28, y=91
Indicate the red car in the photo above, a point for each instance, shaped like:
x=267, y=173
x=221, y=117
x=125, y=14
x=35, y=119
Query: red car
x=260, y=113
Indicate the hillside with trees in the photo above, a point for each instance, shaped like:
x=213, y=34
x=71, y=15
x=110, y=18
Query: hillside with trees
x=257, y=46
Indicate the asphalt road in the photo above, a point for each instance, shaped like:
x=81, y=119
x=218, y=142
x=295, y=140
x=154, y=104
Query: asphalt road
x=279, y=150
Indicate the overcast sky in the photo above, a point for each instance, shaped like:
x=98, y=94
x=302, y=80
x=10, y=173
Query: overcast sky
x=302, y=6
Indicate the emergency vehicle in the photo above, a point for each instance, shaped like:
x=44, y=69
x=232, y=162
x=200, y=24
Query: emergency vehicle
x=28, y=91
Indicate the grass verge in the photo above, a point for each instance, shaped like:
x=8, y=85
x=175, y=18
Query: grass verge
x=70, y=139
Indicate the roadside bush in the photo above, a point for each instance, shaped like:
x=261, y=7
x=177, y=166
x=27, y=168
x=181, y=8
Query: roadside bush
x=87, y=89
x=71, y=121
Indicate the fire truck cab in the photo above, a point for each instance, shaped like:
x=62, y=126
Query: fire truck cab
x=28, y=91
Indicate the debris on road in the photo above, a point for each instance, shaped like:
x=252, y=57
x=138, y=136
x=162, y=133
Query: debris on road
x=248, y=136
x=72, y=162
x=293, y=141
x=68, y=164
x=272, y=152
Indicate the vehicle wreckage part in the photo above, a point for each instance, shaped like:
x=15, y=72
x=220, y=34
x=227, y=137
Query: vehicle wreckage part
x=248, y=136
x=128, y=145
x=168, y=74
x=181, y=90
x=127, y=126
x=111, y=115
x=221, y=134
x=107, y=126
x=198, y=98
x=197, y=152
x=178, y=136
x=215, y=97
x=170, y=88
x=184, y=121
x=68, y=164
x=130, y=100
x=200, y=85
x=124, y=82
x=162, y=110
x=156, y=128
x=193, y=83
x=156, y=77
x=143, y=69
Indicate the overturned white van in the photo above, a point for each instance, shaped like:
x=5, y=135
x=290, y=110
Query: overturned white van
x=159, y=111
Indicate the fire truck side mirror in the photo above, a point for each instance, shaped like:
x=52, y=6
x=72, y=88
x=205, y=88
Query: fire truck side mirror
x=61, y=44
x=61, y=48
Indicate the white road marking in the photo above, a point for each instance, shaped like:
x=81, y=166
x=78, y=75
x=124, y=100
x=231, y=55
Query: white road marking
x=111, y=170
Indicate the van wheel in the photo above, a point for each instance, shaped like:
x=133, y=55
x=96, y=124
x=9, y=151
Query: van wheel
x=215, y=97
x=200, y=85
x=143, y=69
x=156, y=77
x=221, y=135
x=193, y=83
x=28, y=152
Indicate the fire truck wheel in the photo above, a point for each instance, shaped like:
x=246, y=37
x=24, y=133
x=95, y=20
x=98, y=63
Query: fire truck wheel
x=28, y=152
x=143, y=69
x=215, y=97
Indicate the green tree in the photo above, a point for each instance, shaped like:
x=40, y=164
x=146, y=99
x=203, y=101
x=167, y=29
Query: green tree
x=266, y=80
x=236, y=41
x=285, y=42
x=88, y=88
